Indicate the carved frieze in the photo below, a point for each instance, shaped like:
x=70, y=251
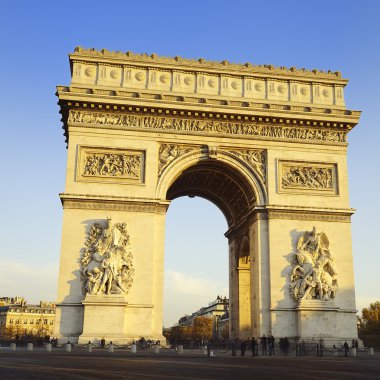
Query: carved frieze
x=313, y=274
x=311, y=177
x=211, y=127
x=169, y=152
x=106, y=263
x=110, y=164
x=255, y=158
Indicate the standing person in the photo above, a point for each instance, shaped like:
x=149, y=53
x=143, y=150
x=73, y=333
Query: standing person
x=263, y=345
x=233, y=347
x=345, y=346
x=254, y=344
x=286, y=345
x=271, y=344
x=243, y=347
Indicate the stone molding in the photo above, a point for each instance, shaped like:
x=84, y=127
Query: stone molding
x=309, y=214
x=202, y=103
x=90, y=202
x=205, y=127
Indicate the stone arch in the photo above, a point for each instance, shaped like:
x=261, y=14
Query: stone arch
x=245, y=187
x=236, y=189
x=201, y=137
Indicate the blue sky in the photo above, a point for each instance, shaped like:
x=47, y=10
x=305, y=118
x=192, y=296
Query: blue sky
x=35, y=40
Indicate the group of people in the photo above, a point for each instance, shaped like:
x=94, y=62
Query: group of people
x=265, y=343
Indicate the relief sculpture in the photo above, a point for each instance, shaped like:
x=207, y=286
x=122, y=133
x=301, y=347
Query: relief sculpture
x=207, y=126
x=168, y=153
x=112, y=165
x=106, y=263
x=313, y=275
x=307, y=177
x=255, y=159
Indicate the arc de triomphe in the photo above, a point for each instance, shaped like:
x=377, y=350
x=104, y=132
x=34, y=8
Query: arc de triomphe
x=267, y=145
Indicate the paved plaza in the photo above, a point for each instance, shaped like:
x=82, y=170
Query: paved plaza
x=122, y=364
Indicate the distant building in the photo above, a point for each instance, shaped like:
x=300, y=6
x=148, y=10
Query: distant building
x=17, y=318
x=217, y=310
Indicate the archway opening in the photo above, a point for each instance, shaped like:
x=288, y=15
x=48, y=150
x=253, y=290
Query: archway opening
x=217, y=182
x=231, y=192
x=196, y=257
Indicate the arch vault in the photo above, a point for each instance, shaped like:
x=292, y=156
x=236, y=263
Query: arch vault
x=266, y=145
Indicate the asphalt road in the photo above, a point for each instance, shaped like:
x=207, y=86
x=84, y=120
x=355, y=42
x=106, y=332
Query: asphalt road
x=121, y=364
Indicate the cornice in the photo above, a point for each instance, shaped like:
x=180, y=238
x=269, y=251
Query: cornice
x=94, y=97
x=113, y=203
x=117, y=57
x=308, y=213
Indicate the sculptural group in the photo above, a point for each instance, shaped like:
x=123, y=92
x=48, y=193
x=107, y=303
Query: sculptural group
x=313, y=275
x=106, y=264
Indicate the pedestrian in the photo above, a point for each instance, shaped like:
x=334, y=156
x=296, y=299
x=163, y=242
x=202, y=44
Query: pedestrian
x=233, y=347
x=243, y=347
x=263, y=341
x=271, y=345
x=253, y=346
x=208, y=348
x=286, y=345
x=345, y=346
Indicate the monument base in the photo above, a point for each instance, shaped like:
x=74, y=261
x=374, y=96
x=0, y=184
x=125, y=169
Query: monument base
x=112, y=318
x=323, y=322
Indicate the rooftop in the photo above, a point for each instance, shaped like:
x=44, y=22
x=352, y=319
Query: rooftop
x=202, y=64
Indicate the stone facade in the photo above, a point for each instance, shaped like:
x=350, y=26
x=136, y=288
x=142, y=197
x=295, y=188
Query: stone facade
x=267, y=145
x=19, y=318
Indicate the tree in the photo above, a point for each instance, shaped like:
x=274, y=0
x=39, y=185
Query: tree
x=178, y=334
x=371, y=319
x=372, y=313
x=369, y=326
x=202, y=328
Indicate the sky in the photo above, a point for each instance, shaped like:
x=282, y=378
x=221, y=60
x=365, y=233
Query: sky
x=35, y=39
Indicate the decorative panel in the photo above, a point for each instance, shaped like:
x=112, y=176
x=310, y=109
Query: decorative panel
x=310, y=177
x=110, y=165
